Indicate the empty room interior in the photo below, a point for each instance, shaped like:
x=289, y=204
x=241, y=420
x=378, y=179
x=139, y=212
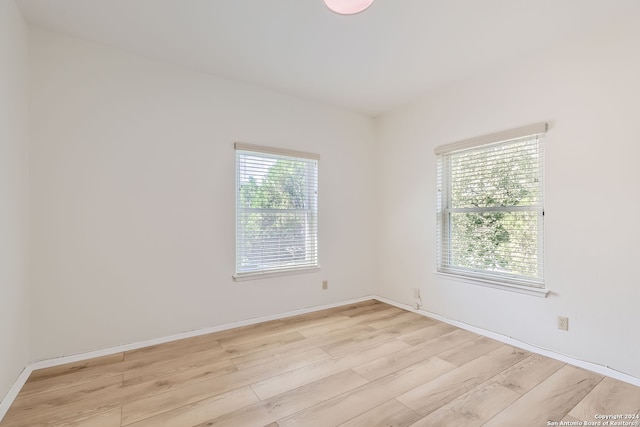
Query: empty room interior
x=319, y=213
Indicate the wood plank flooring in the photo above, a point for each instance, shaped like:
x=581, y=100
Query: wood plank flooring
x=366, y=364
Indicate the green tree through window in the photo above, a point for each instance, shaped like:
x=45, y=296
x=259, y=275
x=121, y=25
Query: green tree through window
x=490, y=211
x=276, y=213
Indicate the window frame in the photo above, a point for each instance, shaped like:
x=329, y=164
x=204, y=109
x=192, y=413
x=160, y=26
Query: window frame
x=502, y=280
x=311, y=160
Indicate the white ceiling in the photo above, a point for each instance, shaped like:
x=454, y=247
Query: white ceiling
x=393, y=52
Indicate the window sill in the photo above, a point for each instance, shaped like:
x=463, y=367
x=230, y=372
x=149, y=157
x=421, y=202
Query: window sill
x=527, y=290
x=258, y=276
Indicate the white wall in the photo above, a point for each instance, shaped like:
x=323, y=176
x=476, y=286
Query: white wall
x=133, y=197
x=589, y=91
x=14, y=199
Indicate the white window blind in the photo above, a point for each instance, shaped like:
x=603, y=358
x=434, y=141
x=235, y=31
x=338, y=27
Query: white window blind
x=276, y=211
x=490, y=207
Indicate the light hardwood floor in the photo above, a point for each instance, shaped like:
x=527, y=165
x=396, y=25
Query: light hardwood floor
x=366, y=364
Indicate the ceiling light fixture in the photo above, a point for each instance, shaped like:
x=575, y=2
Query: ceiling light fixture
x=347, y=7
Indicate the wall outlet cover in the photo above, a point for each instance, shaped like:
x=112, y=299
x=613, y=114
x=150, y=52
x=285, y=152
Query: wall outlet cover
x=563, y=323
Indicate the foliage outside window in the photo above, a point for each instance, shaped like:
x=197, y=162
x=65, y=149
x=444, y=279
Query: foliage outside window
x=490, y=211
x=276, y=211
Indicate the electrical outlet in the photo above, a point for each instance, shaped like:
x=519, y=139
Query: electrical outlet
x=325, y=284
x=563, y=323
x=416, y=293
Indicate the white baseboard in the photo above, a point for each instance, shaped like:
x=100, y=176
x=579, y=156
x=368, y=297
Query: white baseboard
x=11, y=395
x=594, y=367
x=48, y=363
x=8, y=399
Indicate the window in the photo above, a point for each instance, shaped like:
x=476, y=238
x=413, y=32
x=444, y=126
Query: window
x=490, y=208
x=276, y=211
